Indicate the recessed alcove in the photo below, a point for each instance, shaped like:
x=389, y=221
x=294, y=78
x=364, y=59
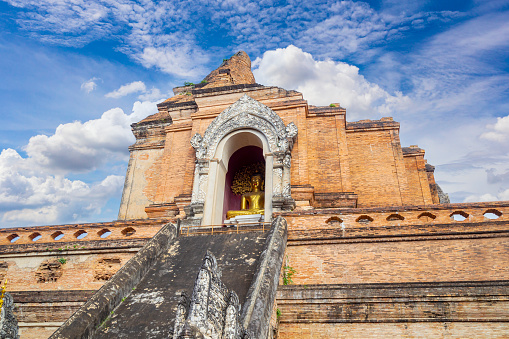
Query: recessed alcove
x=242, y=147
x=492, y=214
x=57, y=235
x=104, y=233
x=459, y=216
x=128, y=231
x=247, y=156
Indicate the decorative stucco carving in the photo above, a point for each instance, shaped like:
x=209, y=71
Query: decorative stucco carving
x=196, y=141
x=213, y=311
x=244, y=114
x=292, y=130
x=287, y=191
x=287, y=161
x=8, y=323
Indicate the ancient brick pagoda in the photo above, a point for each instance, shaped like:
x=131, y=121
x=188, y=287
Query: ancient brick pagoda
x=354, y=224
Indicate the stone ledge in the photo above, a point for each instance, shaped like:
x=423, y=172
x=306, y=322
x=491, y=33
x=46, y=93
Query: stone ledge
x=471, y=301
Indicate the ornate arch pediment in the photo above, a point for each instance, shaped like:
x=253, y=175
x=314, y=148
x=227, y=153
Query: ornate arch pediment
x=245, y=113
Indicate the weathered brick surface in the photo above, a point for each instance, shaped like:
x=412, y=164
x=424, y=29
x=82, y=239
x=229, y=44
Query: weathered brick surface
x=457, y=330
x=330, y=155
x=335, y=246
x=434, y=310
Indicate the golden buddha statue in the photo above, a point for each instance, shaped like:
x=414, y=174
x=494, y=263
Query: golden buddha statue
x=252, y=202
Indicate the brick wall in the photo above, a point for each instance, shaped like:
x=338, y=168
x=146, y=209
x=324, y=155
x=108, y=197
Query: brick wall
x=329, y=155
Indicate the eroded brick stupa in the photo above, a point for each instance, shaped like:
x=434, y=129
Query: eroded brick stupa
x=248, y=213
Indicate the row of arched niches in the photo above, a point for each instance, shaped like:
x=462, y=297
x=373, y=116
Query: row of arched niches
x=78, y=235
x=362, y=219
x=456, y=216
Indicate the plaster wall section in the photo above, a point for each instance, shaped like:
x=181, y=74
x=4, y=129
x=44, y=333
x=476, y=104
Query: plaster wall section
x=136, y=195
x=69, y=270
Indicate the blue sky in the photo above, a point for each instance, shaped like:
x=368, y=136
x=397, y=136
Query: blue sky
x=75, y=74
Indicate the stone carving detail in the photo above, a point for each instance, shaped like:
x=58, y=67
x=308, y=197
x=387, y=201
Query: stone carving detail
x=196, y=141
x=291, y=129
x=287, y=161
x=287, y=191
x=213, y=311
x=8, y=323
x=246, y=113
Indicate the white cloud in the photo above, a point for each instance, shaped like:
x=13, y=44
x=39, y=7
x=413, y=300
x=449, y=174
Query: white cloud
x=153, y=95
x=89, y=85
x=499, y=131
x=325, y=82
x=133, y=87
x=168, y=34
x=502, y=196
x=37, y=200
x=79, y=147
x=34, y=189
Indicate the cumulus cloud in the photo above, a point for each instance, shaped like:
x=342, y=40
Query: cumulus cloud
x=499, y=131
x=503, y=195
x=34, y=190
x=153, y=94
x=37, y=200
x=133, y=87
x=83, y=146
x=324, y=82
x=89, y=85
x=30, y=196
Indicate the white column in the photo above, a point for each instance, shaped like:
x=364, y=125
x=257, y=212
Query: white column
x=210, y=195
x=269, y=166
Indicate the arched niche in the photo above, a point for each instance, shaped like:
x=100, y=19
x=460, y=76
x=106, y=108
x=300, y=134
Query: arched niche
x=246, y=123
x=218, y=167
x=247, y=156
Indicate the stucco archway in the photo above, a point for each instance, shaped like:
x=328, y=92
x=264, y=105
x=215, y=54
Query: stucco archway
x=247, y=122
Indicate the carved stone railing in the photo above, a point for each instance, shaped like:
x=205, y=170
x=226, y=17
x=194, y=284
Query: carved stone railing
x=213, y=311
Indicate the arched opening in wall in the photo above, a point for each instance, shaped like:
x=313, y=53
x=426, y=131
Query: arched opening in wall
x=459, y=216
x=80, y=234
x=128, y=231
x=426, y=216
x=334, y=222
x=395, y=217
x=13, y=237
x=35, y=236
x=492, y=214
x=104, y=233
x=364, y=219
x=214, y=205
x=57, y=235
x=243, y=164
